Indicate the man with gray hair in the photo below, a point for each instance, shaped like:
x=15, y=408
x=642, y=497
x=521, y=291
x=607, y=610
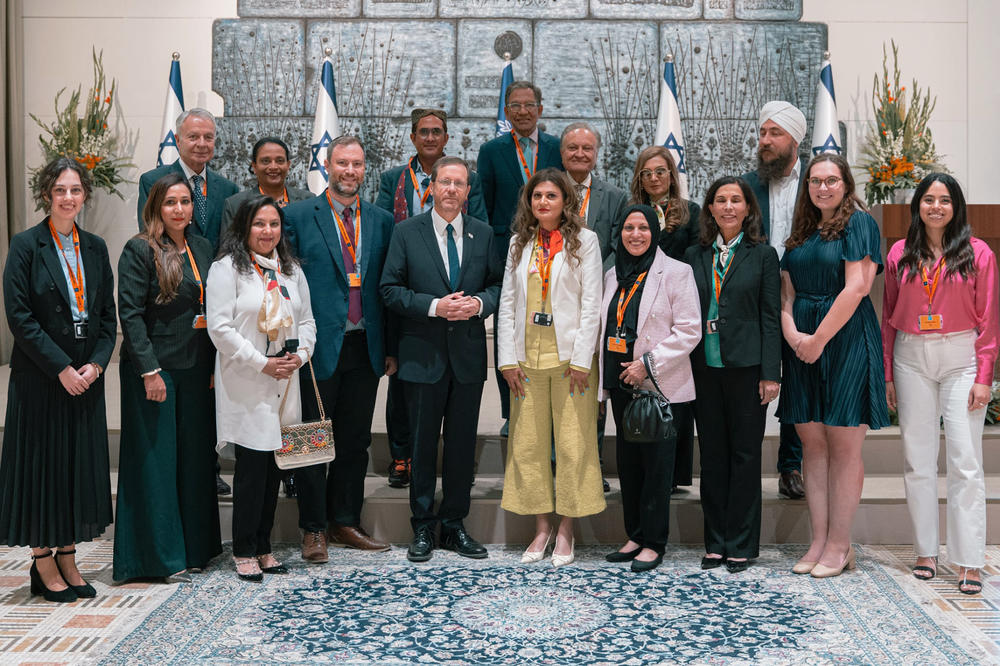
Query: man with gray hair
x=601, y=204
x=776, y=184
x=196, y=145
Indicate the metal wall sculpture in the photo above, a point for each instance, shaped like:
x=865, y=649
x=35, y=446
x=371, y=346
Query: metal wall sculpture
x=595, y=60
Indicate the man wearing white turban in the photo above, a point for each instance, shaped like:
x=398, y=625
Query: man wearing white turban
x=776, y=184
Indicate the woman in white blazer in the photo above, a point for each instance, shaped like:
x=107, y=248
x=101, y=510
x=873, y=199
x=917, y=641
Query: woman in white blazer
x=261, y=323
x=548, y=323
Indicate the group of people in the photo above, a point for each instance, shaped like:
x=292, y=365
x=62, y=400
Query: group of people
x=242, y=311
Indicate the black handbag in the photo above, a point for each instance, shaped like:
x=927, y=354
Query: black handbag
x=648, y=418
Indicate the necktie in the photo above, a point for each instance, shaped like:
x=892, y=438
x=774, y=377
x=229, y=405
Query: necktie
x=353, y=293
x=453, y=267
x=424, y=184
x=200, y=203
x=529, y=155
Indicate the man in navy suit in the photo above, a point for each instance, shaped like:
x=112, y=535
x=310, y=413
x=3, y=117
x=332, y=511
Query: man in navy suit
x=405, y=191
x=505, y=164
x=195, y=133
x=442, y=278
x=341, y=243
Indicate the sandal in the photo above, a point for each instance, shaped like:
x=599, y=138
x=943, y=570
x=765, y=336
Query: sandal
x=270, y=565
x=924, y=572
x=248, y=569
x=967, y=585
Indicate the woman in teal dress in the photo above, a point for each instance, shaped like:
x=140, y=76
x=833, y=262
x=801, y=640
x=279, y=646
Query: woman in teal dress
x=834, y=386
x=167, y=521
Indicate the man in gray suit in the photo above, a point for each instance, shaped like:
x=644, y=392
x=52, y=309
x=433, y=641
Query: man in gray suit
x=601, y=204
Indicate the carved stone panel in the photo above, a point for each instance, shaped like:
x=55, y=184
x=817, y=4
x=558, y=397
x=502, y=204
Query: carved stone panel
x=647, y=9
x=480, y=66
x=298, y=8
x=719, y=9
x=257, y=66
x=518, y=9
x=401, y=8
x=236, y=137
x=769, y=10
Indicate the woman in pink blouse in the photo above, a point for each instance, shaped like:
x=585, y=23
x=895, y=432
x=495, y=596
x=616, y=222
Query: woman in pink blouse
x=939, y=336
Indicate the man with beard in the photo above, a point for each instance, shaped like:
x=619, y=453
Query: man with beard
x=776, y=184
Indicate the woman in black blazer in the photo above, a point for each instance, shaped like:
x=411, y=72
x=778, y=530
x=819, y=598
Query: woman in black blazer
x=167, y=519
x=58, y=290
x=737, y=366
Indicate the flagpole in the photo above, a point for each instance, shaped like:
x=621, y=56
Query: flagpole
x=826, y=129
x=173, y=106
x=326, y=125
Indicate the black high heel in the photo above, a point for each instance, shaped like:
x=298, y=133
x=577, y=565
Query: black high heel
x=38, y=587
x=85, y=591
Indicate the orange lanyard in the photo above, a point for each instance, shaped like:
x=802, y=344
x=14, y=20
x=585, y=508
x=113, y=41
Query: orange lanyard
x=77, y=280
x=930, y=286
x=583, y=206
x=717, y=280
x=197, y=276
x=524, y=162
x=623, y=300
x=260, y=272
x=283, y=201
x=544, y=264
x=351, y=245
x=416, y=188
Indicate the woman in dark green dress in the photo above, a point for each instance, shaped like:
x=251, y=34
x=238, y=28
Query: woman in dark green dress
x=834, y=386
x=168, y=511
x=58, y=288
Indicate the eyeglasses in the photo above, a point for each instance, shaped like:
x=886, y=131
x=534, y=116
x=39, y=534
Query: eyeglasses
x=660, y=172
x=829, y=181
x=517, y=106
x=425, y=132
x=448, y=182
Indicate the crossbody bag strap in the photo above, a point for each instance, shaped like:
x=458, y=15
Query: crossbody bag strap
x=652, y=377
x=319, y=401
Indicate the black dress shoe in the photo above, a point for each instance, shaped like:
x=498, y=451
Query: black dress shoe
x=277, y=569
x=288, y=483
x=638, y=566
x=711, y=562
x=458, y=540
x=619, y=556
x=607, y=486
x=790, y=485
x=737, y=566
x=221, y=487
x=422, y=546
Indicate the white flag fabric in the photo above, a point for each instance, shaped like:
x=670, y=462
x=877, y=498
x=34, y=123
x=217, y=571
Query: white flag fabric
x=826, y=131
x=173, y=107
x=326, y=128
x=668, y=125
x=506, y=78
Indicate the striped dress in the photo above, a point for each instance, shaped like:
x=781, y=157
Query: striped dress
x=846, y=386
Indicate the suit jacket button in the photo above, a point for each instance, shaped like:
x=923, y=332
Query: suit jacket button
x=58, y=308
x=722, y=320
x=451, y=328
x=65, y=331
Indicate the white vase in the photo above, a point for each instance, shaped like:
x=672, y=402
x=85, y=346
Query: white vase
x=903, y=195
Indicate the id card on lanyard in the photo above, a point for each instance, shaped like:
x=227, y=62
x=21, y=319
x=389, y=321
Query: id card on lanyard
x=712, y=325
x=416, y=188
x=76, y=280
x=617, y=343
x=199, y=319
x=353, y=278
x=930, y=321
x=544, y=257
x=528, y=172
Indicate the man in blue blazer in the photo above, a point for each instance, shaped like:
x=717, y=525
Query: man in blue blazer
x=195, y=133
x=341, y=243
x=405, y=191
x=505, y=164
x=776, y=183
x=442, y=279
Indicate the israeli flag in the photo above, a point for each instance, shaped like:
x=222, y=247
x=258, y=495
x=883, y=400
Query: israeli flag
x=173, y=107
x=506, y=78
x=826, y=131
x=668, y=124
x=326, y=128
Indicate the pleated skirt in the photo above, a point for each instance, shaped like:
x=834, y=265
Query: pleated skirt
x=55, y=482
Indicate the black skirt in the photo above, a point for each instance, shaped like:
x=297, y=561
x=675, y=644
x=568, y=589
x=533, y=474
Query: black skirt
x=55, y=482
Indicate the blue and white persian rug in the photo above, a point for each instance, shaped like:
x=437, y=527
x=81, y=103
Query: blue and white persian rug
x=380, y=609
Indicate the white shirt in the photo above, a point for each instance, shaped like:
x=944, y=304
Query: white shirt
x=782, y=193
x=441, y=235
x=190, y=173
x=415, y=204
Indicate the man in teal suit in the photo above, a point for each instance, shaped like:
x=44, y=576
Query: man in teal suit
x=196, y=144
x=505, y=164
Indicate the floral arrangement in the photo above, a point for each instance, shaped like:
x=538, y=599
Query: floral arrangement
x=900, y=150
x=88, y=138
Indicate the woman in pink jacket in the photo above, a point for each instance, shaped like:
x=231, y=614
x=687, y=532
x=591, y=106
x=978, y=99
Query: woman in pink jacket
x=651, y=323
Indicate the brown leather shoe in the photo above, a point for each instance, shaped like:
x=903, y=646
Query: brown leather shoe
x=354, y=537
x=314, y=547
x=790, y=485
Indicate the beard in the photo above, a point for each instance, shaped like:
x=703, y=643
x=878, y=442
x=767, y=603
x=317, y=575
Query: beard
x=774, y=169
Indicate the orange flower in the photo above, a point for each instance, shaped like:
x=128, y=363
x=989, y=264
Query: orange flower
x=107, y=100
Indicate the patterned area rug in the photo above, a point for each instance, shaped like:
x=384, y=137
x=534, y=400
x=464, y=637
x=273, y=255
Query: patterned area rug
x=378, y=608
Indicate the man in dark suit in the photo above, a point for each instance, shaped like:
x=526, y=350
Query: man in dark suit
x=442, y=278
x=196, y=144
x=405, y=191
x=776, y=184
x=341, y=242
x=505, y=164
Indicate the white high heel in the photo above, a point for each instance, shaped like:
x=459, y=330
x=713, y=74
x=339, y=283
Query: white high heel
x=532, y=556
x=563, y=560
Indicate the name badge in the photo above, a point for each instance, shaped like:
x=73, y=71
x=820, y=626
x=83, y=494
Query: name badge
x=617, y=345
x=712, y=325
x=932, y=322
x=80, y=330
x=353, y=279
x=199, y=321
x=541, y=319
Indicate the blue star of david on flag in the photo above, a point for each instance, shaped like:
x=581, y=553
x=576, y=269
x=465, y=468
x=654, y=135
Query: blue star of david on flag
x=318, y=149
x=828, y=146
x=169, y=141
x=672, y=144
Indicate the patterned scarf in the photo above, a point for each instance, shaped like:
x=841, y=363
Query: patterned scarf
x=275, y=315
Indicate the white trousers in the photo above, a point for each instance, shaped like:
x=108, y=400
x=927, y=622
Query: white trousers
x=933, y=375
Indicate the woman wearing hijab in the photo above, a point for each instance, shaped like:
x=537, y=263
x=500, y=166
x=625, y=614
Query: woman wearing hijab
x=651, y=318
x=737, y=367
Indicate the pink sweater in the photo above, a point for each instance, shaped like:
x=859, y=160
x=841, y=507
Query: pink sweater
x=963, y=304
